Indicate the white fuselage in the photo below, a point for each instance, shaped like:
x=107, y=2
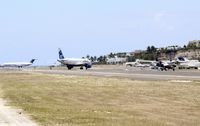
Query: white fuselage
x=140, y=63
x=16, y=64
x=74, y=61
x=188, y=63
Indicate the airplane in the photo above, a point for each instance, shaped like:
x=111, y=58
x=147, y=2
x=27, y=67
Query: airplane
x=73, y=62
x=140, y=63
x=183, y=62
x=159, y=65
x=18, y=64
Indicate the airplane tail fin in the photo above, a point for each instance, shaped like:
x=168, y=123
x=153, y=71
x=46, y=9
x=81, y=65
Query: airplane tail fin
x=61, y=56
x=32, y=61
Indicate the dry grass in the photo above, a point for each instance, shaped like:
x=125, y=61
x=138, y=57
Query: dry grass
x=96, y=101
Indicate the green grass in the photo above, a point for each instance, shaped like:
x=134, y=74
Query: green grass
x=98, y=101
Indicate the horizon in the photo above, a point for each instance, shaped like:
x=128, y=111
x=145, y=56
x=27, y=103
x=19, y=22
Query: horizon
x=36, y=29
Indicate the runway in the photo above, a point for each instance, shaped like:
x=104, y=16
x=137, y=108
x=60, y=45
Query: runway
x=131, y=73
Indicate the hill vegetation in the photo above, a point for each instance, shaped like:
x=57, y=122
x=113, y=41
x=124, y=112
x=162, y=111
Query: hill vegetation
x=153, y=53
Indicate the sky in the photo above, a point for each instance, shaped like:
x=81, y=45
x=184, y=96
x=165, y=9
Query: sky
x=37, y=28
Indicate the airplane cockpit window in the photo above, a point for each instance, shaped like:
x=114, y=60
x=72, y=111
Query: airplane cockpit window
x=181, y=58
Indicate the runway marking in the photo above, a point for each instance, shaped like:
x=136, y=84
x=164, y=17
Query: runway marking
x=180, y=81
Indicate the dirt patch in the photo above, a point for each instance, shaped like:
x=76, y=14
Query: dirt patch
x=13, y=117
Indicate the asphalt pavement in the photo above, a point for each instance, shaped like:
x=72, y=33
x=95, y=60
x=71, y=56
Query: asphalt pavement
x=128, y=72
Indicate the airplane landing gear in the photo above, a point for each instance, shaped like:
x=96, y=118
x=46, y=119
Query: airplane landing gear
x=69, y=67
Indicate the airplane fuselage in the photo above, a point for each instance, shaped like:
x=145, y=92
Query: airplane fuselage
x=72, y=62
x=17, y=64
x=186, y=63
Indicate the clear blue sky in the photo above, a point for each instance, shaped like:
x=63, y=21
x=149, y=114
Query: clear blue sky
x=37, y=28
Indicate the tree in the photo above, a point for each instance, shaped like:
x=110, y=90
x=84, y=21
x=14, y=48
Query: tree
x=88, y=56
x=185, y=47
x=92, y=58
x=148, y=49
x=111, y=55
x=153, y=49
x=95, y=58
x=102, y=59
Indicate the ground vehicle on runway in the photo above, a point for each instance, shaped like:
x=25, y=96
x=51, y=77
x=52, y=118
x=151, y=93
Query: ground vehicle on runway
x=165, y=65
x=73, y=62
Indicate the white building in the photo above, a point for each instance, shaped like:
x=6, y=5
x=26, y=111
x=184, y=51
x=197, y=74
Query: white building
x=116, y=60
x=195, y=42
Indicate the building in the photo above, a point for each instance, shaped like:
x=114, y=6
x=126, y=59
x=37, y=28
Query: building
x=116, y=60
x=194, y=42
x=176, y=47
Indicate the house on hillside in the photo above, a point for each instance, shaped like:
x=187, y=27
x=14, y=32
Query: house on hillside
x=116, y=60
x=195, y=43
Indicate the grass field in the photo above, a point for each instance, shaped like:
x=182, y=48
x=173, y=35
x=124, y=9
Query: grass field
x=98, y=101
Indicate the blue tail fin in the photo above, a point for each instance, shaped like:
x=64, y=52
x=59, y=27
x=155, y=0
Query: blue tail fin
x=32, y=60
x=61, y=56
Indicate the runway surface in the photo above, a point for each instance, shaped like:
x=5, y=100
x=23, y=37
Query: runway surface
x=132, y=73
